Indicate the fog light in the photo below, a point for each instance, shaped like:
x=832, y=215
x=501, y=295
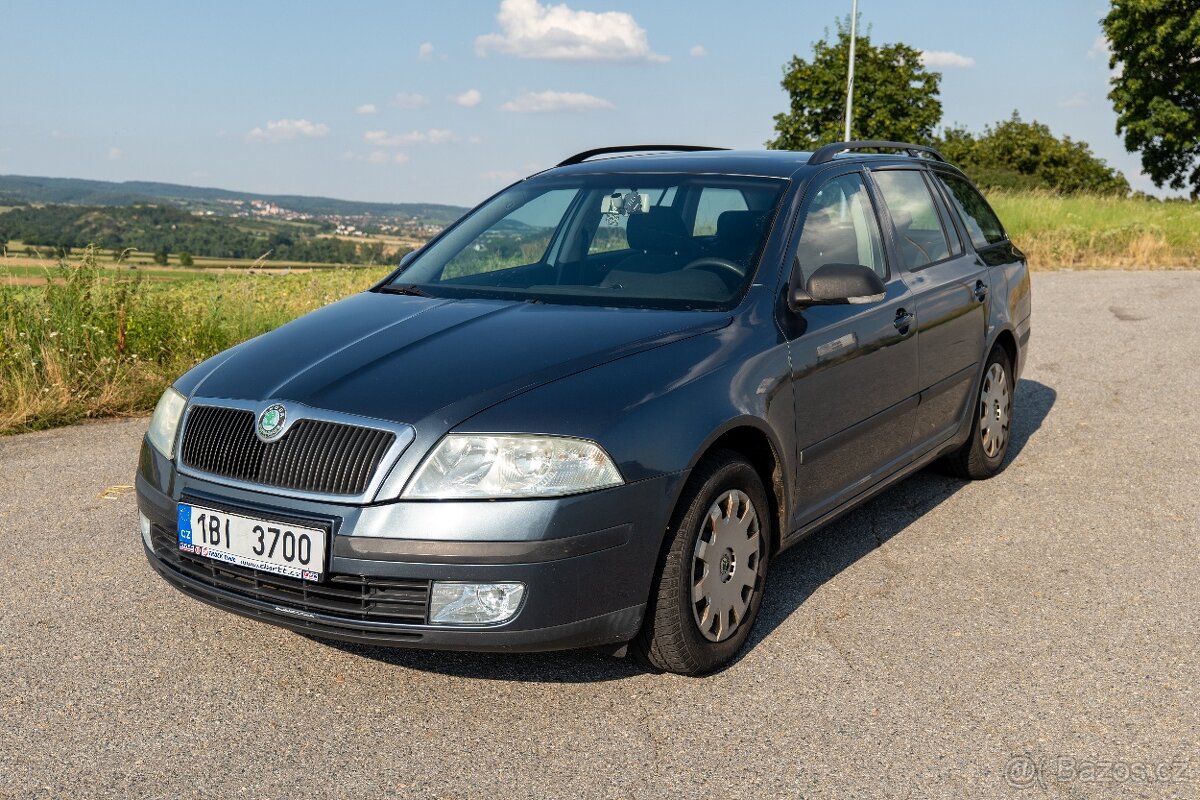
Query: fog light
x=474, y=603
x=144, y=524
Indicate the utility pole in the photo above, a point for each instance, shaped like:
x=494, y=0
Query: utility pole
x=850, y=74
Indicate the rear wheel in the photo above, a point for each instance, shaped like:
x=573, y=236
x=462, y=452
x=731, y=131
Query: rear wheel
x=711, y=573
x=982, y=456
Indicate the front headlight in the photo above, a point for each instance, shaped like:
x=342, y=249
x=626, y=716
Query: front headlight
x=472, y=466
x=165, y=422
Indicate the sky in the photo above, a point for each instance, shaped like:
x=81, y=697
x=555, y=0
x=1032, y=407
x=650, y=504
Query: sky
x=449, y=100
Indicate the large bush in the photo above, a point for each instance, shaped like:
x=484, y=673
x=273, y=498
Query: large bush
x=1019, y=155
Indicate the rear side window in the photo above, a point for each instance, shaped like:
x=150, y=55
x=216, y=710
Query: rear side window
x=977, y=216
x=715, y=201
x=919, y=232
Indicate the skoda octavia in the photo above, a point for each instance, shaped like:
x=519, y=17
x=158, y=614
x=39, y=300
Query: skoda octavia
x=591, y=412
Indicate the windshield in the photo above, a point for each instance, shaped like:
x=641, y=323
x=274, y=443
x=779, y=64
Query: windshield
x=658, y=241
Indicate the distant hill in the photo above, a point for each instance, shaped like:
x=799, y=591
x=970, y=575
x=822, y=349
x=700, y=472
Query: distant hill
x=164, y=228
x=76, y=191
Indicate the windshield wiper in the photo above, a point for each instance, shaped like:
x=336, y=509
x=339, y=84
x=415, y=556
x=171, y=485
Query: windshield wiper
x=405, y=288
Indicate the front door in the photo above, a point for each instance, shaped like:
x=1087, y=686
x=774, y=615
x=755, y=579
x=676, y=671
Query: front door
x=854, y=366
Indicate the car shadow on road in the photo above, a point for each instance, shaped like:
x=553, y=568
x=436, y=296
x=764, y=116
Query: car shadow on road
x=794, y=575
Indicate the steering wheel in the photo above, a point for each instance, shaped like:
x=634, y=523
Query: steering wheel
x=723, y=267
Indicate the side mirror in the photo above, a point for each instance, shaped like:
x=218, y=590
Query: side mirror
x=407, y=257
x=834, y=284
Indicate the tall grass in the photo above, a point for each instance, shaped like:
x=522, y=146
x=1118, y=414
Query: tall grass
x=1087, y=231
x=95, y=342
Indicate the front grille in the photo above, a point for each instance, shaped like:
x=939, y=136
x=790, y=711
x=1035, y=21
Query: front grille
x=313, y=456
x=347, y=597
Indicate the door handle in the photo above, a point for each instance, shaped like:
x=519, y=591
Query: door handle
x=980, y=291
x=903, y=320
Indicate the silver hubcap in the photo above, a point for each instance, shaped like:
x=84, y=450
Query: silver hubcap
x=995, y=410
x=725, y=566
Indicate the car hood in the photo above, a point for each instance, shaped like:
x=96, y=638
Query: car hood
x=411, y=359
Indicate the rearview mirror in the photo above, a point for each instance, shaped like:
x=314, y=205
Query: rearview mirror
x=837, y=283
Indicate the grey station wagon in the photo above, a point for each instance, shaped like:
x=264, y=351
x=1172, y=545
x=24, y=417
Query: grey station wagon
x=589, y=413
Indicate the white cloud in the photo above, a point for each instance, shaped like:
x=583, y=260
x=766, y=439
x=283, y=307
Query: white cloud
x=946, y=58
x=697, y=51
x=365, y=108
x=555, y=101
x=282, y=130
x=410, y=100
x=387, y=157
x=425, y=51
x=1077, y=100
x=431, y=136
x=114, y=153
x=529, y=29
x=468, y=99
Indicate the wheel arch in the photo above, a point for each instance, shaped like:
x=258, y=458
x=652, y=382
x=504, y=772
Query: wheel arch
x=1008, y=340
x=749, y=437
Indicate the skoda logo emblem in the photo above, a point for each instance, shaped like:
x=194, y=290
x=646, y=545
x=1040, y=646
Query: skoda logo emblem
x=270, y=421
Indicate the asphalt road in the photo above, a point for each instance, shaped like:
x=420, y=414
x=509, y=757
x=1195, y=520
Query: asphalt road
x=911, y=650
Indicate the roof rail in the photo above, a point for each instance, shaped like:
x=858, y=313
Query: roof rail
x=579, y=158
x=825, y=154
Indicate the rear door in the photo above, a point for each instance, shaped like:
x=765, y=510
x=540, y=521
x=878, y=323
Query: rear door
x=854, y=366
x=949, y=283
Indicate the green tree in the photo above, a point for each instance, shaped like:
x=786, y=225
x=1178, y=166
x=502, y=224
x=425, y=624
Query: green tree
x=160, y=257
x=1156, y=86
x=895, y=97
x=185, y=259
x=1014, y=154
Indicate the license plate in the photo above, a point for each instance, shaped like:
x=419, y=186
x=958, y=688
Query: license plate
x=280, y=548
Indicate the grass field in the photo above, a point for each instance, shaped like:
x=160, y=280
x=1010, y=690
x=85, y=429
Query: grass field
x=1100, y=232
x=98, y=342
x=14, y=257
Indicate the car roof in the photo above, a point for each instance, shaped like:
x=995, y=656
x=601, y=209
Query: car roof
x=758, y=163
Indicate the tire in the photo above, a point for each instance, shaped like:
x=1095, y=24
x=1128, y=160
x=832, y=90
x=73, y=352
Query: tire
x=982, y=455
x=723, y=501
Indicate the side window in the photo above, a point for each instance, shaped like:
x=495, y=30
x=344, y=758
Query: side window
x=919, y=232
x=714, y=202
x=520, y=238
x=977, y=216
x=840, y=228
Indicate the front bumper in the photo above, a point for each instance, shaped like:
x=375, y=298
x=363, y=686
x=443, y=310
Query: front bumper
x=587, y=561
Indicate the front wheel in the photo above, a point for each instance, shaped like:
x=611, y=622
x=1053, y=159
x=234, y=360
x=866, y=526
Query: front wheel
x=712, y=570
x=982, y=456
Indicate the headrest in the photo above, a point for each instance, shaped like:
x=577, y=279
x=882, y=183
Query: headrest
x=740, y=225
x=658, y=231
x=901, y=219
